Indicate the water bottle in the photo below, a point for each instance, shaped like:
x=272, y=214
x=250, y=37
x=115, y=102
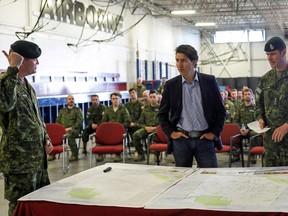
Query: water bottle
x=243, y=127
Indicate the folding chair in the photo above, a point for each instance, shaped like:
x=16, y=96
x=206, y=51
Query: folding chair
x=57, y=133
x=231, y=140
x=157, y=142
x=110, y=138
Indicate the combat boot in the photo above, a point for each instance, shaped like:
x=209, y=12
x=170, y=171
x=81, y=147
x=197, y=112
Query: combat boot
x=51, y=157
x=73, y=158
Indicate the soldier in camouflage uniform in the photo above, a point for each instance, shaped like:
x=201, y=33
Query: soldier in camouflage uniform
x=71, y=118
x=134, y=108
x=25, y=142
x=140, y=88
x=272, y=104
x=245, y=115
x=229, y=106
x=237, y=103
x=148, y=122
x=161, y=86
x=117, y=112
x=93, y=116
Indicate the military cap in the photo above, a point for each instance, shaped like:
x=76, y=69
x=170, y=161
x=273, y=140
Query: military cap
x=26, y=49
x=275, y=43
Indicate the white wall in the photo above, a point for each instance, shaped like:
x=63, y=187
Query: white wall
x=156, y=39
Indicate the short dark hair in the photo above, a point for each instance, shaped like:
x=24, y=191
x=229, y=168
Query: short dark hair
x=116, y=94
x=132, y=89
x=189, y=51
x=153, y=92
x=94, y=95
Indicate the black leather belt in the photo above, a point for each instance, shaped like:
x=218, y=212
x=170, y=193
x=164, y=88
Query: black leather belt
x=192, y=134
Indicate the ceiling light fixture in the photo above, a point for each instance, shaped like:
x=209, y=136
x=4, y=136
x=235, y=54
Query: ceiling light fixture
x=205, y=24
x=183, y=12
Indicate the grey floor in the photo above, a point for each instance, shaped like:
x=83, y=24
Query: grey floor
x=56, y=174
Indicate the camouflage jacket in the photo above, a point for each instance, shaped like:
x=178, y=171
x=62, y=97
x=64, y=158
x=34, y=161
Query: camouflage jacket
x=121, y=115
x=70, y=118
x=244, y=115
x=271, y=97
x=230, y=111
x=24, y=134
x=135, y=110
x=139, y=90
x=149, y=116
x=94, y=114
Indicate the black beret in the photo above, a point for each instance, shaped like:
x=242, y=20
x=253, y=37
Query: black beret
x=275, y=43
x=26, y=49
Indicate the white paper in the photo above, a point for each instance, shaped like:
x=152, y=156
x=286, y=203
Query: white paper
x=255, y=126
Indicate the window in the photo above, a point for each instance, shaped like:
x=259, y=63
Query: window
x=239, y=36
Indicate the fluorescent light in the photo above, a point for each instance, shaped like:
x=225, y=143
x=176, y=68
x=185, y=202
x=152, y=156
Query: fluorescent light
x=183, y=12
x=205, y=24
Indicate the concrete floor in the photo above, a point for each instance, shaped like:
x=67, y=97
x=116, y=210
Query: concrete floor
x=56, y=174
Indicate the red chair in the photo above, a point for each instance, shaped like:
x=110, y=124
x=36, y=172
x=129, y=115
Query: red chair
x=57, y=133
x=157, y=142
x=231, y=140
x=256, y=150
x=110, y=138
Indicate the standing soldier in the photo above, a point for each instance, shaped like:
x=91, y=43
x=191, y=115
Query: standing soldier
x=117, y=112
x=134, y=108
x=140, y=88
x=161, y=86
x=148, y=122
x=93, y=116
x=229, y=106
x=23, y=159
x=272, y=104
x=71, y=118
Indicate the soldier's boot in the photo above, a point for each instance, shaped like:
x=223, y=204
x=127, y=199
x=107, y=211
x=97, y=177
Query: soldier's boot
x=74, y=150
x=140, y=151
x=117, y=158
x=84, y=148
x=51, y=157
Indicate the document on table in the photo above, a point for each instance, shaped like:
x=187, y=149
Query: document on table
x=255, y=126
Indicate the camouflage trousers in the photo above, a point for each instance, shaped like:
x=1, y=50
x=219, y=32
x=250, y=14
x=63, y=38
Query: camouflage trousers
x=137, y=137
x=276, y=153
x=18, y=185
x=71, y=136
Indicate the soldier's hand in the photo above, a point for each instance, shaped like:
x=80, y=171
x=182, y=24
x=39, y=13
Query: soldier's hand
x=14, y=59
x=261, y=124
x=279, y=133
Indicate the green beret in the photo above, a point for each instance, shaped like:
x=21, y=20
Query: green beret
x=275, y=43
x=26, y=49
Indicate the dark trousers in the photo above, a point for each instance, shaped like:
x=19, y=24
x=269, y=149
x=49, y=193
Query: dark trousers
x=185, y=149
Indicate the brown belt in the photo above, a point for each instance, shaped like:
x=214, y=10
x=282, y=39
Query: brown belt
x=192, y=134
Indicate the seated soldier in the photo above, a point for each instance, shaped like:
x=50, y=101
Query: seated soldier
x=134, y=107
x=243, y=116
x=71, y=118
x=93, y=116
x=117, y=112
x=148, y=122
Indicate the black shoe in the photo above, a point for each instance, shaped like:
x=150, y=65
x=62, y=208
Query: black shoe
x=84, y=152
x=235, y=158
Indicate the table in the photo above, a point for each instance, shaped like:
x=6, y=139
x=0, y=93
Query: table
x=130, y=189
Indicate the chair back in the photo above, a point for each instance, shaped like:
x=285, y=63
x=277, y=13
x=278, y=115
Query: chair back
x=229, y=130
x=110, y=133
x=56, y=132
x=160, y=135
